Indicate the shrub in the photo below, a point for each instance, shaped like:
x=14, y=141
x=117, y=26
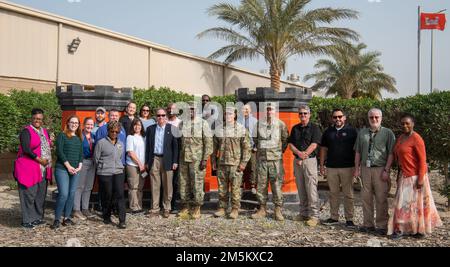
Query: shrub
x=159, y=98
x=25, y=101
x=9, y=121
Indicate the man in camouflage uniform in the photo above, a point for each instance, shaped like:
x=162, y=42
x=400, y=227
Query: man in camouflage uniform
x=232, y=151
x=196, y=147
x=271, y=142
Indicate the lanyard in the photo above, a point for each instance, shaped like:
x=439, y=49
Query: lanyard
x=371, y=141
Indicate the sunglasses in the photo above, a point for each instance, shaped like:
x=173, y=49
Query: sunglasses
x=114, y=132
x=146, y=110
x=338, y=117
x=160, y=115
x=374, y=117
x=303, y=113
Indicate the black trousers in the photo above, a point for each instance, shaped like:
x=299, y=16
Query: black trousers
x=112, y=191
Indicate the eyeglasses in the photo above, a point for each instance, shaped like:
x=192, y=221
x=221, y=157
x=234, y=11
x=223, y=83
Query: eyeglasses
x=206, y=100
x=303, y=113
x=374, y=117
x=338, y=117
x=160, y=115
x=114, y=132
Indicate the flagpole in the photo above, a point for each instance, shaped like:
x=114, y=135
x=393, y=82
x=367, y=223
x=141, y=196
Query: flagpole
x=432, y=61
x=418, y=53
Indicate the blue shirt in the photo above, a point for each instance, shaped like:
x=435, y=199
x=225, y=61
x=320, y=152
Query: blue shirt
x=87, y=152
x=102, y=132
x=249, y=124
x=159, y=140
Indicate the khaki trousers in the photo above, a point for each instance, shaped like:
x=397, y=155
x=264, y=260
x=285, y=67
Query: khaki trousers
x=306, y=179
x=159, y=176
x=373, y=185
x=135, y=187
x=337, y=178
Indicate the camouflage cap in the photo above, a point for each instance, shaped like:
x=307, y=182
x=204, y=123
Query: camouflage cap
x=230, y=110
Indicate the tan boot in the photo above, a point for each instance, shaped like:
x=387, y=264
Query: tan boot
x=312, y=222
x=278, y=214
x=220, y=213
x=234, y=214
x=261, y=213
x=184, y=213
x=196, y=213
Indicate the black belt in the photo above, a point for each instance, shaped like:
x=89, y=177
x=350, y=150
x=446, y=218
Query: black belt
x=159, y=155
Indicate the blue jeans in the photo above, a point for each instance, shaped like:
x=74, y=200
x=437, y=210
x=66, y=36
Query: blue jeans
x=67, y=186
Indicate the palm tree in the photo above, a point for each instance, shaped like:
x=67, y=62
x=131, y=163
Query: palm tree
x=352, y=73
x=277, y=30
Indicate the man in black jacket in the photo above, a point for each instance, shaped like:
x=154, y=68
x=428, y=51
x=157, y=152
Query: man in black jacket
x=161, y=157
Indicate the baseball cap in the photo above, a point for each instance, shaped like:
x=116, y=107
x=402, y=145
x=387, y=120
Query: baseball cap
x=100, y=109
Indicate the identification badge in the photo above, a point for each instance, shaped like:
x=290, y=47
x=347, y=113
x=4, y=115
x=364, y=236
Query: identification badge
x=368, y=163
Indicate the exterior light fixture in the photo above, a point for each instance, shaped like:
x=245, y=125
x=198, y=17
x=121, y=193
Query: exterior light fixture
x=74, y=45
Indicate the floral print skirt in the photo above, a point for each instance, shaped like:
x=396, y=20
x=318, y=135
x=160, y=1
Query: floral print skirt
x=413, y=210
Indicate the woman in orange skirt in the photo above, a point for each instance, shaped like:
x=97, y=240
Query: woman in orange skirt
x=414, y=212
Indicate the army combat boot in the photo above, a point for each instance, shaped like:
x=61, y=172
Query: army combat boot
x=184, y=212
x=196, y=213
x=261, y=213
x=220, y=213
x=278, y=214
x=234, y=213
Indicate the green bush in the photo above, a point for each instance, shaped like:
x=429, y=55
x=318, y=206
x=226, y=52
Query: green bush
x=9, y=122
x=223, y=100
x=25, y=101
x=159, y=98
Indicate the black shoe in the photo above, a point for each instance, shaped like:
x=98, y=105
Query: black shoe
x=56, y=224
x=136, y=211
x=396, y=236
x=67, y=222
x=350, y=224
x=331, y=222
x=419, y=236
x=381, y=232
x=38, y=222
x=107, y=221
x=28, y=225
x=367, y=229
x=122, y=225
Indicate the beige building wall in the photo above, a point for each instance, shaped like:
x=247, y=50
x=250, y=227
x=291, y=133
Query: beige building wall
x=185, y=74
x=34, y=54
x=28, y=47
x=102, y=60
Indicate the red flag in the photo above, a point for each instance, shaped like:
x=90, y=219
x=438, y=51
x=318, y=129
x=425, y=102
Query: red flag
x=432, y=21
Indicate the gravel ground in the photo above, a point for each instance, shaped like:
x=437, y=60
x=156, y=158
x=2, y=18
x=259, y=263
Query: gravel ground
x=207, y=231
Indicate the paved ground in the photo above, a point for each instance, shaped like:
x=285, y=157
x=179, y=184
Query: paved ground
x=208, y=231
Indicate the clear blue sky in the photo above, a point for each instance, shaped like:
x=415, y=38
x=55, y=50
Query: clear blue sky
x=388, y=26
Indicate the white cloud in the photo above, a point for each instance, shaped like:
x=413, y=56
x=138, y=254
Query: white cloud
x=374, y=1
x=73, y=1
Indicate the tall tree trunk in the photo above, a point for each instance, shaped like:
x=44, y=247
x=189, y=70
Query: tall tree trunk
x=275, y=82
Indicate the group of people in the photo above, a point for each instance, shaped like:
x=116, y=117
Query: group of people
x=174, y=153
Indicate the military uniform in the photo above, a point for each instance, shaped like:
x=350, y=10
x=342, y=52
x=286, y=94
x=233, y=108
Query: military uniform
x=232, y=149
x=271, y=142
x=196, y=146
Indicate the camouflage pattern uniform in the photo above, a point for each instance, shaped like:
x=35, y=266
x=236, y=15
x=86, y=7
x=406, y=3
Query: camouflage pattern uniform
x=196, y=145
x=231, y=149
x=271, y=142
